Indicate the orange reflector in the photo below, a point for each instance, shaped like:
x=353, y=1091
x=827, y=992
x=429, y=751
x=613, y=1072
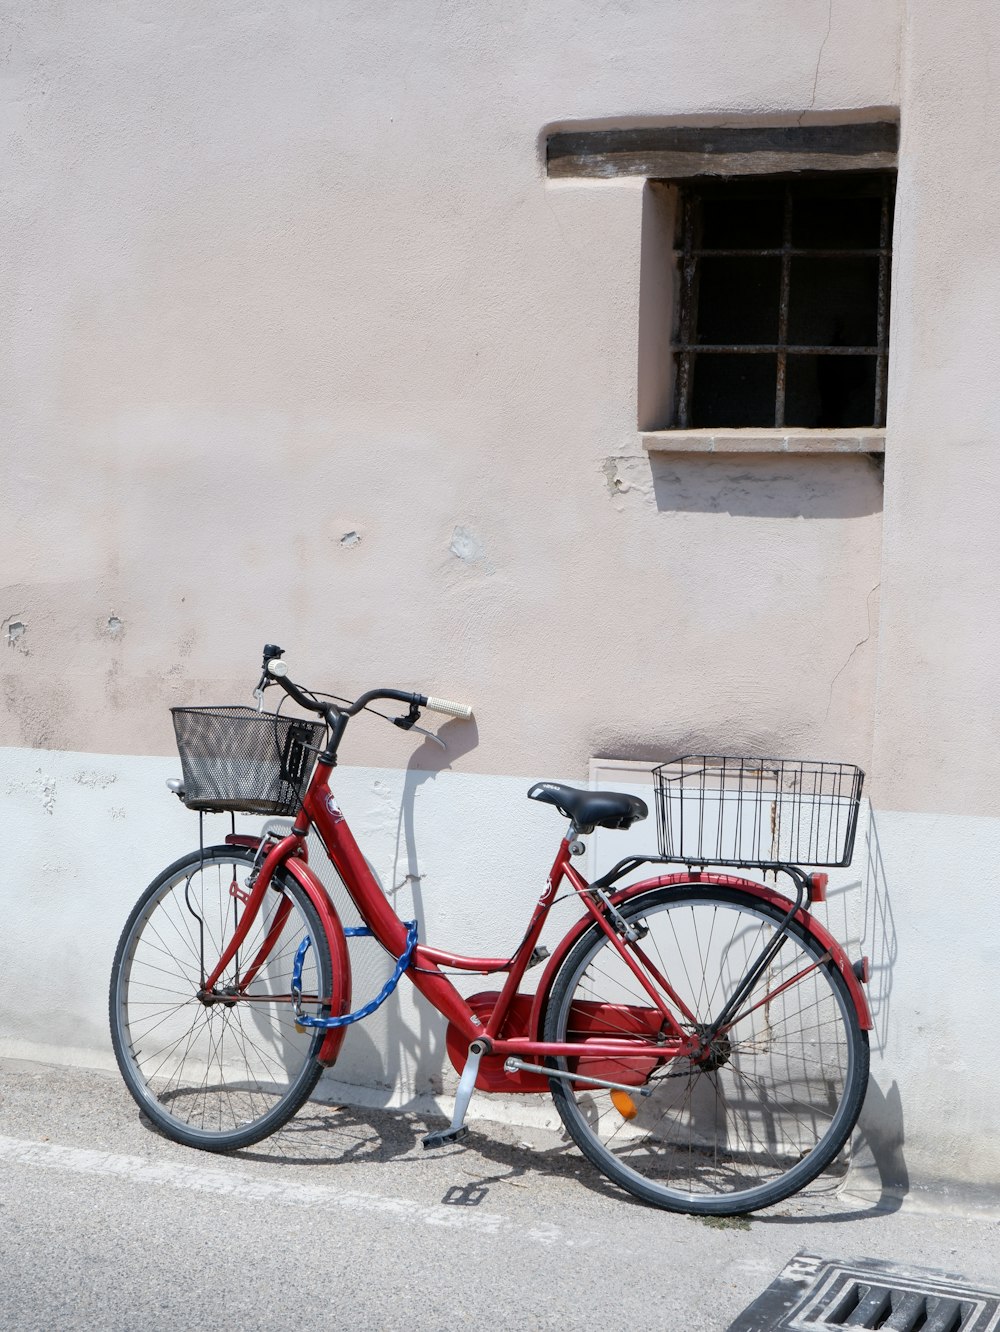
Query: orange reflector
x=624, y=1104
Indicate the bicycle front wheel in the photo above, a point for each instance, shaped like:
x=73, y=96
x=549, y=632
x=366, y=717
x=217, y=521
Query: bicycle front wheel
x=223, y=1072
x=768, y=1105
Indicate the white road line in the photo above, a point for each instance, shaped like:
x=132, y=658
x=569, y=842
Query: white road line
x=287, y=1193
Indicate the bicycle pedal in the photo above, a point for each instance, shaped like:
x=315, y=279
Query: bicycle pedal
x=441, y=1137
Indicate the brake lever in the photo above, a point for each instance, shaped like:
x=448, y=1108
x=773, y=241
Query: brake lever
x=406, y=723
x=271, y=651
x=258, y=693
x=429, y=735
x=409, y=723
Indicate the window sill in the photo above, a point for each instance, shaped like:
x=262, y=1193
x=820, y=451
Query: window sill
x=764, y=441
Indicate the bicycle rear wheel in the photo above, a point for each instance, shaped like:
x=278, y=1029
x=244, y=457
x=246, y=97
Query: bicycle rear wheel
x=770, y=1104
x=223, y=1074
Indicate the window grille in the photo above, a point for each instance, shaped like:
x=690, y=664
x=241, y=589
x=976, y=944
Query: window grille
x=784, y=301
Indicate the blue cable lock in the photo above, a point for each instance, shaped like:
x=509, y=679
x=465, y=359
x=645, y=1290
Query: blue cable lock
x=327, y=1022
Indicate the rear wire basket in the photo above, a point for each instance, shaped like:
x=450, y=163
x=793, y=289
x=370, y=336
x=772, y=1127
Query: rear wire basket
x=757, y=811
x=239, y=759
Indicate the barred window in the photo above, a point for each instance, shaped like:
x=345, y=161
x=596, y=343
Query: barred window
x=784, y=300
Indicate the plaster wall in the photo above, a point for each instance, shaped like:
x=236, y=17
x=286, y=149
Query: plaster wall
x=931, y=1125
x=939, y=678
x=301, y=346
x=936, y=718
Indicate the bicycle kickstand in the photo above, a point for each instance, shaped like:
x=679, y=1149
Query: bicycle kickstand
x=466, y=1084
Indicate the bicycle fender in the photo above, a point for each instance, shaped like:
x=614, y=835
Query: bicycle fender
x=747, y=886
x=340, y=999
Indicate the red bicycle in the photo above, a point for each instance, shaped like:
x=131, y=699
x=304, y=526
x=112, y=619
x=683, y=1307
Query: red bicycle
x=704, y=1038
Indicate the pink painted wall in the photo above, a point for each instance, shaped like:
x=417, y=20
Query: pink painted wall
x=284, y=275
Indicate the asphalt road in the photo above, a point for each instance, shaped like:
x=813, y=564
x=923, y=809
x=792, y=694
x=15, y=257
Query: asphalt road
x=342, y=1220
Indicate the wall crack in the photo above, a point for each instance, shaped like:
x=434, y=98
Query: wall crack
x=859, y=644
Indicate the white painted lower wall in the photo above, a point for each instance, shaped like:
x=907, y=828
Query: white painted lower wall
x=930, y=925
x=468, y=856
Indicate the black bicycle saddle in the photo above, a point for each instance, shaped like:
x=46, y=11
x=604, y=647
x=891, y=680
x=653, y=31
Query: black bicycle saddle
x=591, y=809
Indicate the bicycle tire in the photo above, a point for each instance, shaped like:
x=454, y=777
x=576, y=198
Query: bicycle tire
x=781, y=1092
x=221, y=1076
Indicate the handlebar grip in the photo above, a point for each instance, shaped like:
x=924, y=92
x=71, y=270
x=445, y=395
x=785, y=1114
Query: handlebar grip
x=451, y=709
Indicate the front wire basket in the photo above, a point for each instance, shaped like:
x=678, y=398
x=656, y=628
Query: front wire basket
x=756, y=811
x=239, y=759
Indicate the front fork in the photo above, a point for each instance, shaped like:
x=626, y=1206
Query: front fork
x=259, y=882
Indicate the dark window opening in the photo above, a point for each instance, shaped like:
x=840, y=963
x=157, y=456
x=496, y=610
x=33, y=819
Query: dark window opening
x=784, y=301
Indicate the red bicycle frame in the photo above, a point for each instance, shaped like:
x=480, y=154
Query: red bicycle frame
x=504, y=1025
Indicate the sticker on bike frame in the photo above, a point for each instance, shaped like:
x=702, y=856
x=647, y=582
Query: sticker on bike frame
x=336, y=813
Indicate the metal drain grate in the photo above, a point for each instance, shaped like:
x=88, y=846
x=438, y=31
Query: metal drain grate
x=819, y=1295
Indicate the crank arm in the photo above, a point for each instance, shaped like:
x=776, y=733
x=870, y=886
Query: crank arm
x=513, y=1065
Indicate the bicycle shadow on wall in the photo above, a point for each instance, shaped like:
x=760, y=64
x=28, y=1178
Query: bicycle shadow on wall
x=869, y=926
x=879, y=940
x=384, y=1052
x=878, y=1168
x=424, y=1050
x=877, y=1173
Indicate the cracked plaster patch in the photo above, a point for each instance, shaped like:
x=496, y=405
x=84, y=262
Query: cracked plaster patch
x=617, y=484
x=466, y=546
x=15, y=633
x=95, y=780
x=45, y=787
x=628, y=479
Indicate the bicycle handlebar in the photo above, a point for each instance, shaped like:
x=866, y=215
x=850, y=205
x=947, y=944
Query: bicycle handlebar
x=277, y=670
